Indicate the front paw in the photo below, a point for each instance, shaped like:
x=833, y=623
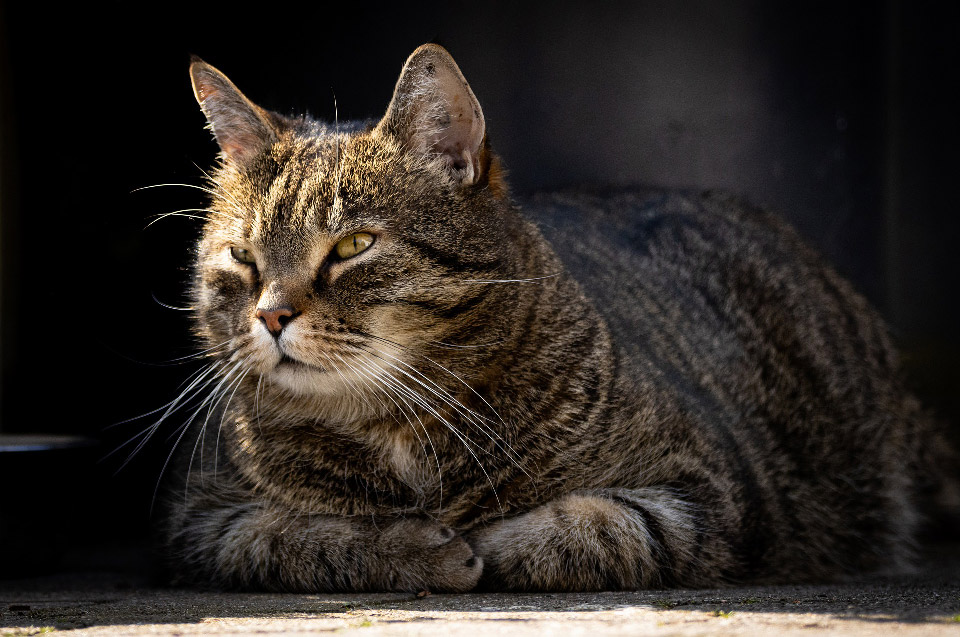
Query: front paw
x=417, y=554
x=576, y=543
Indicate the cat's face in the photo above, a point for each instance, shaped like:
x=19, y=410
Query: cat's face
x=333, y=261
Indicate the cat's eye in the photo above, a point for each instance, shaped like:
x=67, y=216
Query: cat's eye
x=242, y=255
x=353, y=245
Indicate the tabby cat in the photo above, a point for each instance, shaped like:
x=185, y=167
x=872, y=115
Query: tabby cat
x=411, y=388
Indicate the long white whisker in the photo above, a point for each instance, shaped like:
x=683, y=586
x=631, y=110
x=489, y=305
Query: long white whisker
x=467, y=443
x=439, y=366
x=358, y=392
x=470, y=415
x=214, y=193
x=509, y=450
x=216, y=395
x=171, y=307
x=183, y=430
x=181, y=213
x=412, y=426
x=161, y=407
x=209, y=375
x=222, y=192
x=184, y=398
x=477, y=346
x=195, y=355
x=223, y=414
x=256, y=401
x=336, y=163
x=530, y=280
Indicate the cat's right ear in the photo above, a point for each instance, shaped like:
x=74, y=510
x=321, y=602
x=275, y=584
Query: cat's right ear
x=242, y=129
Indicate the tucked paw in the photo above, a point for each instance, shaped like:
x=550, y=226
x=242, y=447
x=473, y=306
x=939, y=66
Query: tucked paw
x=572, y=544
x=419, y=554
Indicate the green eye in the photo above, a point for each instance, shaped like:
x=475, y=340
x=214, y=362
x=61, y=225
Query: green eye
x=353, y=245
x=241, y=255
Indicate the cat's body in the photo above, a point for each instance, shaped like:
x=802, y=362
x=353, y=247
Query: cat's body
x=418, y=392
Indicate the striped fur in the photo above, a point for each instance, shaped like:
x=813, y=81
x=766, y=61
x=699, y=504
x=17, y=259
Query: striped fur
x=669, y=389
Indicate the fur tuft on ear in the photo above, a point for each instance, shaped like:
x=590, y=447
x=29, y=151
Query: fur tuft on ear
x=433, y=111
x=242, y=129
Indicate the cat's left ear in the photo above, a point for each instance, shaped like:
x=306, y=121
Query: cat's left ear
x=433, y=111
x=242, y=129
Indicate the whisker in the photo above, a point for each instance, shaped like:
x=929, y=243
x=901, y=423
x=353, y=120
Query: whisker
x=467, y=443
x=175, y=361
x=170, y=408
x=181, y=213
x=256, y=402
x=357, y=392
x=223, y=414
x=468, y=414
x=203, y=428
x=456, y=404
x=222, y=192
x=216, y=395
x=171, y=307
x=211, y=396
x=410, y=422
x=220, y=195
x=336, y=161
x=530, y=280
x=153, y=411
x=477, y=346
x=189, y=357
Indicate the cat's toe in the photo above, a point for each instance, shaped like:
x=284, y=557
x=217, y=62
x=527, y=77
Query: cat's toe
x=446, y=534
x=426, y=555
x=461, y=569
x=457, y=567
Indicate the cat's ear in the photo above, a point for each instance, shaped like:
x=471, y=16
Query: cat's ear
x=433, y=111
x=242, y=129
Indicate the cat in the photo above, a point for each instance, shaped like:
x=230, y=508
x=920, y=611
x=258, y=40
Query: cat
x=410, y=388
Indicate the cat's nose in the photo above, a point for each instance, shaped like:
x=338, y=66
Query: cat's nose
x=275, y=318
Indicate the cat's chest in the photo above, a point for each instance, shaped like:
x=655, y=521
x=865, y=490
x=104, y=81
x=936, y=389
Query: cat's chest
x=327, y=470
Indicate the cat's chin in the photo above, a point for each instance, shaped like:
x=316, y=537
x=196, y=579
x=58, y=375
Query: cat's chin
x=303, y=379
x=287, y=362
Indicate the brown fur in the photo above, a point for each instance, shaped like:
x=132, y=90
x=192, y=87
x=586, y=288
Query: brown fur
x=684, y=396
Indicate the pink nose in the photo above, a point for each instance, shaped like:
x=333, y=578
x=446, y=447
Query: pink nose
x=276, y=318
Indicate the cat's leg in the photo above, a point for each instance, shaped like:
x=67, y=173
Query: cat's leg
x=222, y=540
x=597, y=540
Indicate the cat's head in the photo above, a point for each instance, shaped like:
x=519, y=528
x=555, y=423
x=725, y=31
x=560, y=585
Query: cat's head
x=335, y=255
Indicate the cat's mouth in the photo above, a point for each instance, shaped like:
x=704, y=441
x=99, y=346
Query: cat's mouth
x=291, y=363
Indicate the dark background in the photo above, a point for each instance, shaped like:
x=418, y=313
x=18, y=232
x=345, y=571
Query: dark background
x=836, y=114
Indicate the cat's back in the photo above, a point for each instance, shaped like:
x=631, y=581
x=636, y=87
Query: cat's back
x=705, y=289
x=724, y=307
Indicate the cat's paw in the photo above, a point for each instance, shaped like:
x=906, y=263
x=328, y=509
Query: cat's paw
x=576, y=543
x=417, y=554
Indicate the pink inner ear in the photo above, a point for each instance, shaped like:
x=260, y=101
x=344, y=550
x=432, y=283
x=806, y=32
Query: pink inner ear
x=461, y=135
x=204, y=92
x=233, y=150
x=238, y=137
x=241, y=143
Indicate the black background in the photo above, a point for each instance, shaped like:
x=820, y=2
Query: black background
x=835, y=114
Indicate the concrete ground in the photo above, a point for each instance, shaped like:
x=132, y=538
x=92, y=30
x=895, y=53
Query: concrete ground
x=91, y=603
